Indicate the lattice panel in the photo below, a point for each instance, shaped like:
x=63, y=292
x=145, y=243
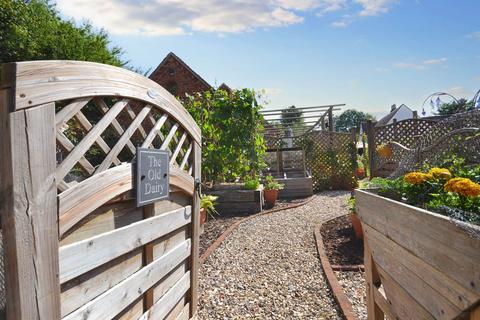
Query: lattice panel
x=95, y=134
x=329, y=156
x=404, y=132
x=459, y=134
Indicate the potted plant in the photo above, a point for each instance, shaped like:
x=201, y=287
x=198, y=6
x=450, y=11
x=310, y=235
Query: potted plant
x=207, y=207
x=356, y=224
x=271, y=190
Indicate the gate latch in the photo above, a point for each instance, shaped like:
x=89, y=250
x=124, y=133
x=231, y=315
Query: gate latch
x=198, y=186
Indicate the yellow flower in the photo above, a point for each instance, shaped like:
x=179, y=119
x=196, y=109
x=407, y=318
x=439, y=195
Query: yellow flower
x=417, y=177
x=440, y=173
x=463, y=186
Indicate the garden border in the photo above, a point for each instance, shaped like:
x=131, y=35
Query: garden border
x=234, y=226
x=340, y=297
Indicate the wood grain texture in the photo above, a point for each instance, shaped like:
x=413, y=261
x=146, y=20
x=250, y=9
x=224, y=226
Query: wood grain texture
x=428, y=264
x=110, y=303
x=81, y=290
x=166, y=303
x=79, y=201
x=29, y=211
x=69, y=162
x=80, y=257
x=440, y=242
x=103, y=108
x=195, y=232
x=120, y=144
x=39, y=82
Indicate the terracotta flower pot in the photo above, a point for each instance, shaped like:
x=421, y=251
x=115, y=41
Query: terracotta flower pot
x=270, y=197
x=203, y=216
x=357, y=226
x=360, y=173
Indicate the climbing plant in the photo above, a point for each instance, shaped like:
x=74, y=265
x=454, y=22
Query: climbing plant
x=232, y=127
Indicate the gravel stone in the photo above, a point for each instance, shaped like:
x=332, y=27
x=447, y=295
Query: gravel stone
x=268, y=268
x=353, y=284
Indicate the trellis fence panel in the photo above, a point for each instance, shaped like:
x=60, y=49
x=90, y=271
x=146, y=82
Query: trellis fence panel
x=76, y=246
x=330, y=158
x=405, y=132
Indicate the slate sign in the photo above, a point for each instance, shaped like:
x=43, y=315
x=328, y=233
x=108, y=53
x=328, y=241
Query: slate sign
x=152, y=176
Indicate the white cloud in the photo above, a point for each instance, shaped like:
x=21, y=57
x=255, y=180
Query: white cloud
x=381, y=69
x=375, y=7
x=435, y=61
x=178, y=17
x=424, y=65
x=474, y=35
x=460, y=92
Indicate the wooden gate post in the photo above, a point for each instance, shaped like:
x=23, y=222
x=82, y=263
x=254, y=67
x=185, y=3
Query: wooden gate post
x=369, y=127
x=28, y=208
x=197, y=166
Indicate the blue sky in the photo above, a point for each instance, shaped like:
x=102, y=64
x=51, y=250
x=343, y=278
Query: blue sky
x=368, y=54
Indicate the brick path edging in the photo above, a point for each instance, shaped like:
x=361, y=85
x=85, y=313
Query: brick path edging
x=234, y=226
x=342, y=300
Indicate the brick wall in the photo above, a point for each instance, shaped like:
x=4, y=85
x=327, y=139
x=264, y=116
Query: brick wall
x=177, y=78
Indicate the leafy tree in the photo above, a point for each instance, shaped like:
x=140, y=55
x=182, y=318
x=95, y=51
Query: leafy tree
x=462, y=105
x=232, y=133
x=34, y=30
x=351, y=118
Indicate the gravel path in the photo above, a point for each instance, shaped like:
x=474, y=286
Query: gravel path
x=269, y=269
x=353, y=284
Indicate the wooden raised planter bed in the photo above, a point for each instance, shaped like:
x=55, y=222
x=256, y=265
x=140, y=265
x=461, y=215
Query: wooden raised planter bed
x=418, y=264
x=300, y=187
x=233, y=199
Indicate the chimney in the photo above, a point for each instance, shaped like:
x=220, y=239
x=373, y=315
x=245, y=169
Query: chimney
x=393, y=107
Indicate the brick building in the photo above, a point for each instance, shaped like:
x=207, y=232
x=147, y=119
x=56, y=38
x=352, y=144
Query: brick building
x=178, y=78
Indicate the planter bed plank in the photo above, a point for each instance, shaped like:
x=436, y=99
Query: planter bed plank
x=83, y=256
x=402, y=304
x=108, y=305
x=427, y=296
x=226, y=196
x=433, y=238
x=443, y=285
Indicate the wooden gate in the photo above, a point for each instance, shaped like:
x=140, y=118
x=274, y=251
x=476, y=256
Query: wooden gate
x=76, y=246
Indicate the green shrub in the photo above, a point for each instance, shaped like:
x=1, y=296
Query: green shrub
x=252, y=184
x=232, y=133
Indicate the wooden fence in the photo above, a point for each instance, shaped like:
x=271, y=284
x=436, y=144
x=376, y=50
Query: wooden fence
x=329, y=157
x=405, y=132
x=76, y=246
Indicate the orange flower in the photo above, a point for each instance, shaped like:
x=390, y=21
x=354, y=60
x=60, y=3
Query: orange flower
x=417, y=177
x=463, y=186
x=440, y=173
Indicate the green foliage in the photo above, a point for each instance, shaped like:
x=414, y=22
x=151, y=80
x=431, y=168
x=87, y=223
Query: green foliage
x=33, y=30
x=432, y=193
x=252, y=184
x=463, y=105
x=208, y=203
x=351, y=118
x=233, y=145
x=271, y=184
x=351, y=202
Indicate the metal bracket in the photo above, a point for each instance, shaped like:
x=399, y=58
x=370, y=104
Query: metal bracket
x=198, y=186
